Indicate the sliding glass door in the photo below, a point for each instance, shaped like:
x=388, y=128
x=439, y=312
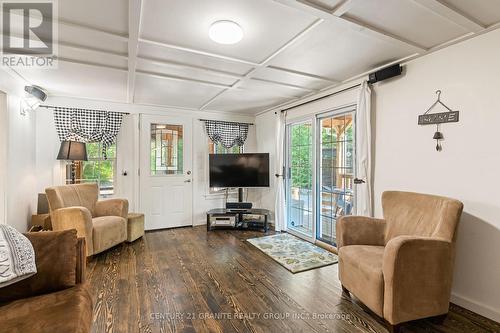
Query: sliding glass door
x=336, y=157
x=320, y=157
x=299, y=182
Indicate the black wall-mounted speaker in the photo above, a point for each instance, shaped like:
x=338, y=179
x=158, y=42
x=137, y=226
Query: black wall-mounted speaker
x=385, y=73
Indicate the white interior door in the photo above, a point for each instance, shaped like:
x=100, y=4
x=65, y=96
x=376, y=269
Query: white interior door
x=165, y=171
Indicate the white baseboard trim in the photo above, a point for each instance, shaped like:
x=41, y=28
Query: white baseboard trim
x=475, y=306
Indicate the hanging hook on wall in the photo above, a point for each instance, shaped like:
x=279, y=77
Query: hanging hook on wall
x=438, y=119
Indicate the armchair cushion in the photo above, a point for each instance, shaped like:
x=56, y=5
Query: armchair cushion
x=55, y=255
x=360, y=230
x=85, y=195
x=108, y=231
x=360, y=270
x=418, y=276
x=112, y=207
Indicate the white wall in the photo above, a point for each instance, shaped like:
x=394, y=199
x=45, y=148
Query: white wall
x=19, y=165
x=3, y=154
x=468, y=166
x=50, y=172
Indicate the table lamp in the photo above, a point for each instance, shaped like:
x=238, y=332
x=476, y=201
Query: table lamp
x=72, y=151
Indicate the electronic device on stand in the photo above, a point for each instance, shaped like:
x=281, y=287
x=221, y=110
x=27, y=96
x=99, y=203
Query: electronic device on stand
x=238, y=171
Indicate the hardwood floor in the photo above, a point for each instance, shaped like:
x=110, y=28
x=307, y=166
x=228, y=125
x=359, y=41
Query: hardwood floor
x=188, y=280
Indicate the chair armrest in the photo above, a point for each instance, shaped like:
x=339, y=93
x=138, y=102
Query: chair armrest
x=418, y=274
x=112, y=207
x=78, y=218
x=81, y=260
x=360, y=230
x=56, y=263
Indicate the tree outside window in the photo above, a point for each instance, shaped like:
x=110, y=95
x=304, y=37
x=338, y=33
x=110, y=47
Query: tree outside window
x=97, y=169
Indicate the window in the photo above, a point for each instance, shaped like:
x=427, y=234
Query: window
x=166, y=149
x=218, y=148
x=97, y=169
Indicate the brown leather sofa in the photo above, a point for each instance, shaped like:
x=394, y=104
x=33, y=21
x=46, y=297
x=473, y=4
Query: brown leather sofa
x=103, y=224
x=401, y=267
x=56, y=298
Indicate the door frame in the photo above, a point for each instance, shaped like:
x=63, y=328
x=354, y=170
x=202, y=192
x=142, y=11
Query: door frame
x=338, y=111
x=315, y=119
x=296, y=121
x=172, y=119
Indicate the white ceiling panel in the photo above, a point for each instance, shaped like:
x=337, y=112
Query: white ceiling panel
x=154, y=51
x=80, y=81
x=267, y=25
x=88, y=55
x=183, y=71
x=486, y=11
x=338, y=52
x=91, y=38
x=269, y=89
x=244, y=101
x=110, y=15
x=406, y=19
x=152, y=90
x=272, y=74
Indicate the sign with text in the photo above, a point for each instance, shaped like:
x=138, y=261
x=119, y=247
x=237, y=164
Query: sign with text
x=438, y=118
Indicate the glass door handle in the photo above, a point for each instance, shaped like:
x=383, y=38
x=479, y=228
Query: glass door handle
x=359, y=181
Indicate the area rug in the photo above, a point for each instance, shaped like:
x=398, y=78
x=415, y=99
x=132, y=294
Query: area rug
x=293, y=253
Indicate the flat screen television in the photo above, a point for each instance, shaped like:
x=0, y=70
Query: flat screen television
x=239, y=170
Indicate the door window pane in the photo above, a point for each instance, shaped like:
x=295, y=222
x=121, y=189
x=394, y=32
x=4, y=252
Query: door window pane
x=335, y=191
x=299, y=184
x=166, y=149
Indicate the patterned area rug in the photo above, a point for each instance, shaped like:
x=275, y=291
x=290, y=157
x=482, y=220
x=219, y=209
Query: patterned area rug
x=293, y=253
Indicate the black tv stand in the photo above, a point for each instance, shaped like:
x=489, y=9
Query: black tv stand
x=237, y=216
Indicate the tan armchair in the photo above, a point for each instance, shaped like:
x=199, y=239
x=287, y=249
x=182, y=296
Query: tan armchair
x=401, y=267
x=103, y=224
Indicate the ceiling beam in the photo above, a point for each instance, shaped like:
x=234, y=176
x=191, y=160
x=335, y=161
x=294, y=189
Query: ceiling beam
x=191, y=50
x=134, y=27
x=451, y=14
x=189, y=66
x=308, y=75
x=184, y=79
x=353, y=24
x=278, y=83
x=343, y=7
x=92, y=64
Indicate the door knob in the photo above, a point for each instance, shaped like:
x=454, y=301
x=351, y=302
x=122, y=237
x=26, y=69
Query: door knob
x=359, y=181
x=187, y=181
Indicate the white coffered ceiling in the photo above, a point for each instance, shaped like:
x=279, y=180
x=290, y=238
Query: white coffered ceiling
x=158, y=52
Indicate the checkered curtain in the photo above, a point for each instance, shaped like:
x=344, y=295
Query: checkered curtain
x=88, y=126
x=229, y=134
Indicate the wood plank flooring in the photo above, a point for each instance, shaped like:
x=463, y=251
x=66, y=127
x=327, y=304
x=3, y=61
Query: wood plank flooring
x=188, y=280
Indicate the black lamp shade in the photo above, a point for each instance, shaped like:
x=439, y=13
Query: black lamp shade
x=73, y=151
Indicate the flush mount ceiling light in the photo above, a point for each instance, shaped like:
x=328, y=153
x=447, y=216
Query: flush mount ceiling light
x=225, y=32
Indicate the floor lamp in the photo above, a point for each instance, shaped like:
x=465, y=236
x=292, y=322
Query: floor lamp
x=72, y=151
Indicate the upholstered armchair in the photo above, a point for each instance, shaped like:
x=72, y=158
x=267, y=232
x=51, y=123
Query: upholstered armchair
x=103, y=224
x=401, y=266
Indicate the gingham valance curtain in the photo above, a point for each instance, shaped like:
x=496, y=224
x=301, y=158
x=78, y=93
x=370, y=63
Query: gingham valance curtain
x=229, y=134
x=88, y=125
